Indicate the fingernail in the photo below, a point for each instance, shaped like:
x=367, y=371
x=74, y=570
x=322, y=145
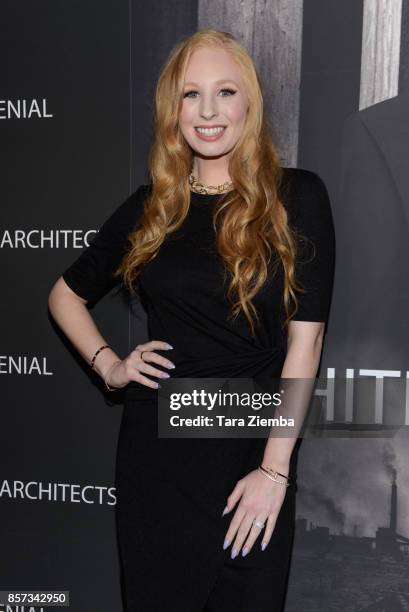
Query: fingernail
x=233, y=553
x=169, y=346
x=158, y=386
x=244, y=551
x=165, y=375
x=225, y=510
x=263, y=546
x=226, y=544
x=171, y=365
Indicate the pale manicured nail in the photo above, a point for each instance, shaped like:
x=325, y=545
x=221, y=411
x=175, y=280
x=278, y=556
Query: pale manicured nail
x=225, y=510
x=226, y=544
x=233, y=553
x=263, y=546
x=244, y=551
x=169, y=346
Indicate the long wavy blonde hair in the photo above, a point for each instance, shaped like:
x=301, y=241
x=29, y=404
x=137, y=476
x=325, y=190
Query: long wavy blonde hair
x=250, y=221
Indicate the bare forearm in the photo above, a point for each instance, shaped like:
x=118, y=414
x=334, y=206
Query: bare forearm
x=72, y=316
x=301, y=363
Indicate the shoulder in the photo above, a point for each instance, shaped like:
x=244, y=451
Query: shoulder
x=305, y=195
x=136, y=198
x=126, y=215
x=298, y=183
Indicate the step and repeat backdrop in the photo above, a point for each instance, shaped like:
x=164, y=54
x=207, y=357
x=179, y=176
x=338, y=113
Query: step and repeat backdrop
x=76, y=101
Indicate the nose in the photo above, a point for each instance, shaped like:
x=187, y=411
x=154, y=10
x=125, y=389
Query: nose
x=208, y=107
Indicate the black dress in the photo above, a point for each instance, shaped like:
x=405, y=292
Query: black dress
x=171, y=492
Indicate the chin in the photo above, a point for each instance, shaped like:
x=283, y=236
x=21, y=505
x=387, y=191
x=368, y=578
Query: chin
x=209, y=153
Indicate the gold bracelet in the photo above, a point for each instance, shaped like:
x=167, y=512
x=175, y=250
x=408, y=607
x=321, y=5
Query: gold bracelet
x=274, y=471
x=101, y=348
x=105, y=379
x=273, y=478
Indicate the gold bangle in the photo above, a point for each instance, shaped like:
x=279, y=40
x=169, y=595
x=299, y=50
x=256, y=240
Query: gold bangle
x=105, y=379
x=274, y=471
x=273, y=478
x=101, y=348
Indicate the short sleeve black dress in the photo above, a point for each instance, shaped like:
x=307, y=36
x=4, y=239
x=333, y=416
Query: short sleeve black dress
x=171, y=492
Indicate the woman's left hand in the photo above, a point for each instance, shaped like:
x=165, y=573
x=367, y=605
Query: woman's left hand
x=261, y=500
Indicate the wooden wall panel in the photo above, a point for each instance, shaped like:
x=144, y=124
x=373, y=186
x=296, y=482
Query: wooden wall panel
x=271, y=30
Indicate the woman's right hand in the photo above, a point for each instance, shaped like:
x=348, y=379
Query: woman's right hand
x=134, y=368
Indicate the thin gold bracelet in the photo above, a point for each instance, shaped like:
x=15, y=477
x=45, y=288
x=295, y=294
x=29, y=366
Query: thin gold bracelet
x=266, y=467
x=273, y=478
x=109, y=371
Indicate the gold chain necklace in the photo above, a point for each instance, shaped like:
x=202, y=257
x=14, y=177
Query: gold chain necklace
x=209, y=189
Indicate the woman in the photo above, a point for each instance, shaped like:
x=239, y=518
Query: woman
x=236, y=281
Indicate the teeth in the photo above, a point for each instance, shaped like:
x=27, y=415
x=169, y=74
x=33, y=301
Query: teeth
x=210, y=131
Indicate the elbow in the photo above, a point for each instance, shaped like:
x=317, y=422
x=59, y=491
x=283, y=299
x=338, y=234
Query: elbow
x=318, y=340
x=315, y=343
x=51, y=298
x=306, y=337
x=316, y=346
x=59, y=292
x=304, y=349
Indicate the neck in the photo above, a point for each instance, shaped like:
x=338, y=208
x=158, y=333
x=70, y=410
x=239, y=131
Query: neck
x=211, y=171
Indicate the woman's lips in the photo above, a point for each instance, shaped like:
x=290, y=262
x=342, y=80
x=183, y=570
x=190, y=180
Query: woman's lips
x=210, y=137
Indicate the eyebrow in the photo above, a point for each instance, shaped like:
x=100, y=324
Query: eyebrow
x=216, y=83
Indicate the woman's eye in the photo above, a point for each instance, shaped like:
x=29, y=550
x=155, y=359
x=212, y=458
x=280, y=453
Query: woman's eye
x=229, y=91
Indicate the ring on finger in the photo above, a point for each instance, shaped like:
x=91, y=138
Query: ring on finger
x=258, y=524
x=142, y=355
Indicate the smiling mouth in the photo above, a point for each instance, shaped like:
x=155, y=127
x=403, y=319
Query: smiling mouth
x=211, y=131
